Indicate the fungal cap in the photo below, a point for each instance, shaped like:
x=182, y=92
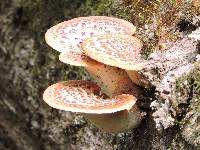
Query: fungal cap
x=67, y=35
x=77, y=59
x=117, y=50
x=85, y=97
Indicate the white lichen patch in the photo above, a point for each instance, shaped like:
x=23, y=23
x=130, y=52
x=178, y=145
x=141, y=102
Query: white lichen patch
x=195, y=34
x=162, y=115
x=163, y=70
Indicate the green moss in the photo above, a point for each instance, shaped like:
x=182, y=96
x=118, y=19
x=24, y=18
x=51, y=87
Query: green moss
x=198, y=108
x=188, y=85
x=187, y=104
x=103, y=8
x=196, y=83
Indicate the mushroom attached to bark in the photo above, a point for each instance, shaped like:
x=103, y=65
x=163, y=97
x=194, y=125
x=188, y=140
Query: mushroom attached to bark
x=67, y=36
x=117, y=50
x=116, y=114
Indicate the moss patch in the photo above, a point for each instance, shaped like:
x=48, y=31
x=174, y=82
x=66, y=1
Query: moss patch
x=187, y=105
x=158, y=20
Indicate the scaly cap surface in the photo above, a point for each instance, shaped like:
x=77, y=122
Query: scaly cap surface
x=117, y=50
x=85, y=97
x=67, y=35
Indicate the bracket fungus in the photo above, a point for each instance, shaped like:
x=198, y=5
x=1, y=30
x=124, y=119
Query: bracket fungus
x=67, y=36
x=113, y=111
x=118, y=50
x=116, y=114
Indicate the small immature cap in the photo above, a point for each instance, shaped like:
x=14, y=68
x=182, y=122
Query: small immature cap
x=85, y=97
x=117, y=50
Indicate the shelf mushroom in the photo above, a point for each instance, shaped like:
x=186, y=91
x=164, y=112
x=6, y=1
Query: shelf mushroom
x=66, y=37
x=116, y=114
x=118, y=50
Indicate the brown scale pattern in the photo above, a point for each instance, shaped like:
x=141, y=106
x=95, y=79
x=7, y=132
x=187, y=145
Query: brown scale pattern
x=68, y=35
x=121, y=51
x=86, y=97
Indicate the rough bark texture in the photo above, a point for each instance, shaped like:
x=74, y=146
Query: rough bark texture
x=28, y=66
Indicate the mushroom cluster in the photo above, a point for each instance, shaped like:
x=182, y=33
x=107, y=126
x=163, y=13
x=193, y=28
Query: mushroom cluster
x=105, y=47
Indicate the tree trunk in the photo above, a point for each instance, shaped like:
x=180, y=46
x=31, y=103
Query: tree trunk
x=29, y=66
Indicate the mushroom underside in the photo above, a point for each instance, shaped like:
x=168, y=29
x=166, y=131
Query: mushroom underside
x=116, y=122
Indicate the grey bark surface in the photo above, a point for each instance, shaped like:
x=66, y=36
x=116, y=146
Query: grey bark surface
x=28, y=66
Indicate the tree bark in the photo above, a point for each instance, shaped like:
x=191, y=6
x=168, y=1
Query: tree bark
x=28, y=66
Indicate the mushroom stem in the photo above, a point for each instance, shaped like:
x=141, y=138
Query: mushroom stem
x=117, y=122
x=118, y=50
x=112, y=80
x=138, y=78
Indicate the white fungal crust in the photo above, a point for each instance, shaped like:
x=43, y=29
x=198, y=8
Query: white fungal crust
x=67, y=35
x=85, y=97
x=117, y=50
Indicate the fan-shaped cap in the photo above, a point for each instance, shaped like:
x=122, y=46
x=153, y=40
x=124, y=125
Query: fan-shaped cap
x=117, y=50
x=67, y=35
x=85, y=97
